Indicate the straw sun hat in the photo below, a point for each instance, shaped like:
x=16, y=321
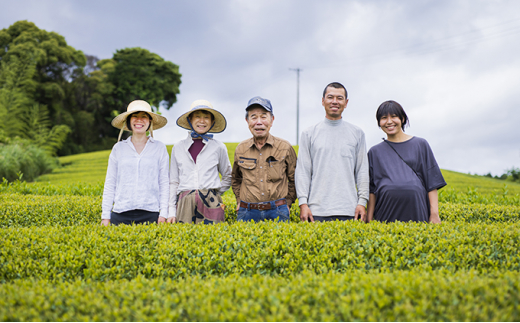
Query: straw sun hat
x=203, y=105
x=158, y=121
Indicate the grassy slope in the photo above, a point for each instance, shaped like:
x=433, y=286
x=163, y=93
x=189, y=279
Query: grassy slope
x=91, y=168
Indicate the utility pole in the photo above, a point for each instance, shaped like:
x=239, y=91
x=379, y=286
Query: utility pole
x=297, y=104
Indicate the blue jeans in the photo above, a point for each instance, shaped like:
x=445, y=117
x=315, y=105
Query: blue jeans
x=277, y=213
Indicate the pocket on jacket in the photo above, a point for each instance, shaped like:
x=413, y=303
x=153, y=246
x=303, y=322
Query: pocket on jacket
x=247, y=166
x=275, y=171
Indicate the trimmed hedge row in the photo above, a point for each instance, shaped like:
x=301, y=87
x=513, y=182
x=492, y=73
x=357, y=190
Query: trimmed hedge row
x=18, y=210
x=21, y=210
x=40, y=188
x=488, y=213
x=125, y=252
x=353, y=296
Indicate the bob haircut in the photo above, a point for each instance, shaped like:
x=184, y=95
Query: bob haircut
x=390, y=108
x=335, y=85
x=130, y=117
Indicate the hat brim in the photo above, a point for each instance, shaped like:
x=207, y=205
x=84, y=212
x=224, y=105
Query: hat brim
x=158, y=120
x=220, y=121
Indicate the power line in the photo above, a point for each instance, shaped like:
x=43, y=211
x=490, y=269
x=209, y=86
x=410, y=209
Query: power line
x=436, y=45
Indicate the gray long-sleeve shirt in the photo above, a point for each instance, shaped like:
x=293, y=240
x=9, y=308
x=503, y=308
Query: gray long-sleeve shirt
x=332, y=163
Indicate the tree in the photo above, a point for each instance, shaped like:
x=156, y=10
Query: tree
x=39, y=129
x=135, y=73
x=16, y=89
x=86, y=98
x=513, y=174
x=54, y=61
x=44, y=80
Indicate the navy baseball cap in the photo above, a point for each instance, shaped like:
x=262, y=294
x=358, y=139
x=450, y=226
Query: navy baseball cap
x=264, y=103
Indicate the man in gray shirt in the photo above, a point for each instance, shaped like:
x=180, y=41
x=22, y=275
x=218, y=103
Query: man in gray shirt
x=332, y=168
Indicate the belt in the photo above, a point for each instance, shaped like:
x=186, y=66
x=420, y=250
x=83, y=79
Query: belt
x=262, y=205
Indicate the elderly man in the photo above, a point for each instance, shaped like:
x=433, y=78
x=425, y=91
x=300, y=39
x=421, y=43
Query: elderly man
x=332, y=171
x=263, y=170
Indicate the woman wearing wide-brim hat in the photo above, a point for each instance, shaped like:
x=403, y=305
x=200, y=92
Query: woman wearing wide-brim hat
x=136, y=186
x=195, y=186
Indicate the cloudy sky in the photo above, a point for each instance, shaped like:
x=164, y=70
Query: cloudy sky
x=454, y=65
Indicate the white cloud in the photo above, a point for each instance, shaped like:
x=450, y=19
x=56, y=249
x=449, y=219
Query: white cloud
x=453, y=65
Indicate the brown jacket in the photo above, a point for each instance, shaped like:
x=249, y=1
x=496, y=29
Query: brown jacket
x=266, y=174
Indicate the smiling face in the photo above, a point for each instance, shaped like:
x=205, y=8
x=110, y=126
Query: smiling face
x=201, y=121
x=391, y=124
x=139, y=122
x=334, y=103
x=259, y=121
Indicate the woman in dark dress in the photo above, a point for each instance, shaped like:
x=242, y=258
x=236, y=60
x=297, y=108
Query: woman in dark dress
x=404, y=176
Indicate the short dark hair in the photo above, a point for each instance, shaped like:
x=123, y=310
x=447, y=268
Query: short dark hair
x=336, y=85
x=130, y=117
x=205, y=112
x=389, y=108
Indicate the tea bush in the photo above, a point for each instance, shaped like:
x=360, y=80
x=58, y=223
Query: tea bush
x=182, y=250
x=20, y=210
x=17, y=210
x=354, y=296
x=38, y=188
x=58, y=264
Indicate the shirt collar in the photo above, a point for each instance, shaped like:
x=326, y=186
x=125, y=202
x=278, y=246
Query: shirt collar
x=334, y=122
x=128, y=140
x=270, y=141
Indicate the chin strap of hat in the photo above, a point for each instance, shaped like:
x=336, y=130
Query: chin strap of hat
x=151, y=128
x=120, y=134
x=196, y=135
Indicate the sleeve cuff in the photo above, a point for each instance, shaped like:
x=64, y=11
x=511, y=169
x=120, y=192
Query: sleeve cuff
x=362, y=201
x=302, y=200
x=172, y=212
x=163, y=213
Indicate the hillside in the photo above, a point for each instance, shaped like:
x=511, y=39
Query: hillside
x=59, y=264
x=91, y=168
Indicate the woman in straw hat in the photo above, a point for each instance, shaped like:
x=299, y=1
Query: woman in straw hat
x=195, y=186
x=136, y=185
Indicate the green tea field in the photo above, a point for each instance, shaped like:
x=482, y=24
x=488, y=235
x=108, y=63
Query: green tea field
x=57, y=263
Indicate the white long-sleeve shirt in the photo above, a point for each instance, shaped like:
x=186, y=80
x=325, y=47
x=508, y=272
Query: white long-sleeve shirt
x=332, y=168
x=185, y=174
x=137, y=181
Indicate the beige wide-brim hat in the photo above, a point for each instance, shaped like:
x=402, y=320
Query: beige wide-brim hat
x=158, y=121
x=203, y=105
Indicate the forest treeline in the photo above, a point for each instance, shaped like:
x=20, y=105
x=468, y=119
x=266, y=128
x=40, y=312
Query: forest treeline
x=64, y=100
x=58, y=101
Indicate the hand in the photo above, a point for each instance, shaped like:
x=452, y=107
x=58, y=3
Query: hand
x=105, y=222
x=161, y=220
x=305, y=213
x=172, y=219
x=434, y=218
x=361, y=213
x=238, y=206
